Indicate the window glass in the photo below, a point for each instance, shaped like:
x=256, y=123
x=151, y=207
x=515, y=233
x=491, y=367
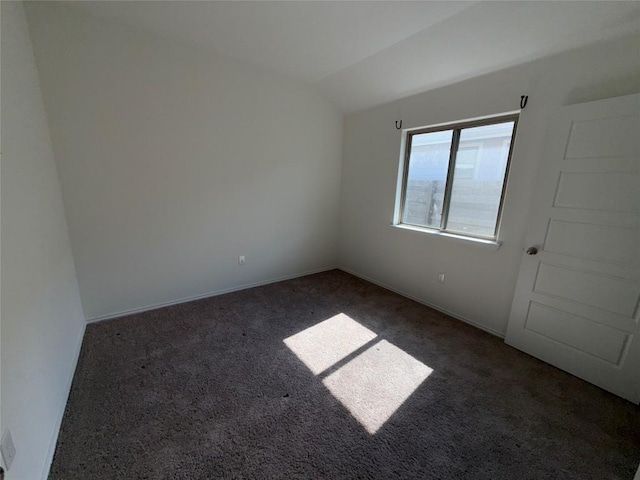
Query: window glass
x=427, y=178
x=478, y=178
x=465, y=197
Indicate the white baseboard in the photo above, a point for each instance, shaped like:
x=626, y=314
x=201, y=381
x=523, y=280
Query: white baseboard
x=424, y=302
x=63, y=405
x=215, y=293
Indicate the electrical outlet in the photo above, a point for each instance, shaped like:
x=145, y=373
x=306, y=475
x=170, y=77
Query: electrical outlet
x=441, y=277
x=7, y=449
x=241, y=260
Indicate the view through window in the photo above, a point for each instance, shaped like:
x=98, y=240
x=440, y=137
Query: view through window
x=455, y=176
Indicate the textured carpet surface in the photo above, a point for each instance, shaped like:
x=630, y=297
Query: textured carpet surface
x=211, y=389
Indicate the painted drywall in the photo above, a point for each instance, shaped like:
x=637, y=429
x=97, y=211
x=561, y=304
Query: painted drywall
x=480, y=281
x=42, y=320
x=173, y=162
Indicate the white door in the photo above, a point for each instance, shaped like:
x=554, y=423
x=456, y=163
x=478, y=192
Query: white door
x=576, y=304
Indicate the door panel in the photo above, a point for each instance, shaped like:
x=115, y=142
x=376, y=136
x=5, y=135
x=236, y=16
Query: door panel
x=576, y=302
x=615, y=192
x=581, y=333
x=609, y=243
x=600, y=291
x=602, y=137
x=614, y=320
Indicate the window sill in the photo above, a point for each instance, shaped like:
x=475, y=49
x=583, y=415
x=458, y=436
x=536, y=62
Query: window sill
x=490, y=244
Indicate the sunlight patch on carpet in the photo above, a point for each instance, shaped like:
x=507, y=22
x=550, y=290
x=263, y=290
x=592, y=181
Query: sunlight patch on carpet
x=374, y=383
x=326, y=343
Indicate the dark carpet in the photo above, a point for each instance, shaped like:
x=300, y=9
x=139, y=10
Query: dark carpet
x=209, y=389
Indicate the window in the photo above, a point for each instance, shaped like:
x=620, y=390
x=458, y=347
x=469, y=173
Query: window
x=454, y=176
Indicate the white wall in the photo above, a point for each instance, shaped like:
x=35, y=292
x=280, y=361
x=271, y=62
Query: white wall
x=479, y=281
x=174, y=161
x=42, y=321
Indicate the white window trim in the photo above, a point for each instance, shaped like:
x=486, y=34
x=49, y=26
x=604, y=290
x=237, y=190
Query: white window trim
x=482, y=242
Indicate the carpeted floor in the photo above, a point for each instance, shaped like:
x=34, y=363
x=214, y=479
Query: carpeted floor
x=329, y=376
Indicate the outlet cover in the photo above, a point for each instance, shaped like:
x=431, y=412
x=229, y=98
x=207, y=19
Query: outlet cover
x=441, y=277
x=7, y=449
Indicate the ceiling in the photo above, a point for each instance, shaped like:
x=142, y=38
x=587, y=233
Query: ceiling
x=361, y=53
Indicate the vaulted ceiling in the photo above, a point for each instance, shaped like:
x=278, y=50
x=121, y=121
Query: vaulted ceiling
x=362, y=53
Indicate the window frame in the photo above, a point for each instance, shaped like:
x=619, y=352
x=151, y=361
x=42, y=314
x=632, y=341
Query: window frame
x=456, y=127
